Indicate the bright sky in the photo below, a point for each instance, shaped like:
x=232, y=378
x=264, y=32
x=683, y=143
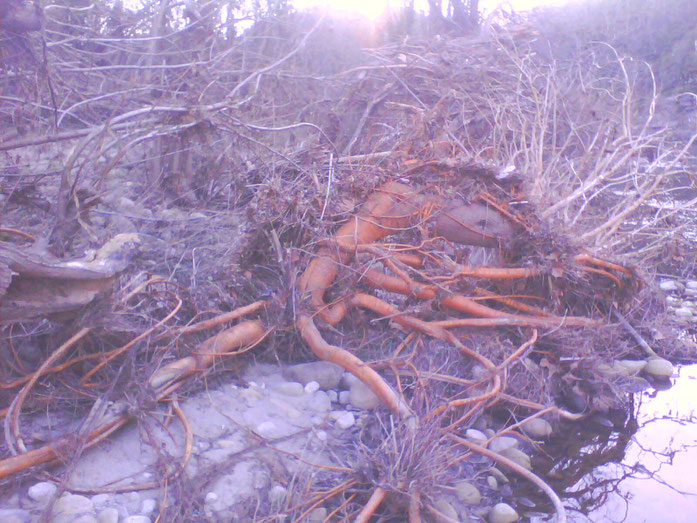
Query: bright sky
x=373, y=8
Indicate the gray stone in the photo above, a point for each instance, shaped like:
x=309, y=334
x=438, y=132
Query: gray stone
x=492, y=482
x=267, y=429
x=137, y=519
x=362, y=397
x=41, y=492
x=291, y=388
x=101, y=501
x=108, y=515
x=85, y=518
x=445, y=508
x=320, y=402
x=518, y=456
x=691, y=285
x=72, y=504
x=503, y=513
x=476, y=436
x=468, y=493
x=333, y=396
x=148, y=506
x=325, y=373
x=317, y=515
x=668, y=285
x=502, y=443
x=345, y=420
x=14, y=515
x=311, y=387
x=344, y=397
x=537, y=428
x=683, y=312
x=348, y=379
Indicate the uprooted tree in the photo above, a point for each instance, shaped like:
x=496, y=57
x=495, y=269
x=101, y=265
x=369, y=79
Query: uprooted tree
x=474, y=207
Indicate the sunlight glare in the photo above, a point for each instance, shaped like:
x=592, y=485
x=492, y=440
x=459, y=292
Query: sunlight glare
x=371, y=9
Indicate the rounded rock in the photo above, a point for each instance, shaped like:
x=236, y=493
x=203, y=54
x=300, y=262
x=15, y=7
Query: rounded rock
x=41, y=492
x=137, y=519
x=345, y=420
x=148, y=506
x=446, y=509
x=476, y=436
x=291, y=388
x=326, y=374
x=683, y=312
x=311, y=387
x=465, y=491
x=319, y=514
x=72, y=504
x=344, y=397
x=491, y=481
x=502, y=443
x=668, y=285
x=333, y=396
x=503, y=513
x=14, y=515
x=537, y=428
x=691, y=285
x=362, y=397
x=108, y=515
x=518, y=456
x=659, y=367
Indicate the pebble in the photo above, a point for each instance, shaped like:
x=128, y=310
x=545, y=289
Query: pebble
x=537, y=428
x=691, y=285
x=72, y=504
x=468, y=493
x=101, y=501
x=291, y=388
x=319, y=514
x=311, y=387
x=491, y=481
x=148, y=507
x=321, y=435
x=659, y=367
x=673, y=300
x=502, y=443
x=446, y=509
x=333, y=396
x=211, y=497
x=344, y=397
x=362, y=397
x=690, y=292
x=320, y=402
x=477, y=436
x=326, y=374
x=85, y=518
x=503, y=513
x=136, y=519
x=108, y=515
x=41, y=492
x=266, y=429
x=345, y=420
x=668, y=285
x=683, y=312
x=14, y=515
x=518, y=456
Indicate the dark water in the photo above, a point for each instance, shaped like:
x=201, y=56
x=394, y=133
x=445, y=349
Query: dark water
x=633, y=466
x=660, y=458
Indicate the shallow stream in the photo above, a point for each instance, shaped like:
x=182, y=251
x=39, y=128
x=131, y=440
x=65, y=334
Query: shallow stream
x=634, y=467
